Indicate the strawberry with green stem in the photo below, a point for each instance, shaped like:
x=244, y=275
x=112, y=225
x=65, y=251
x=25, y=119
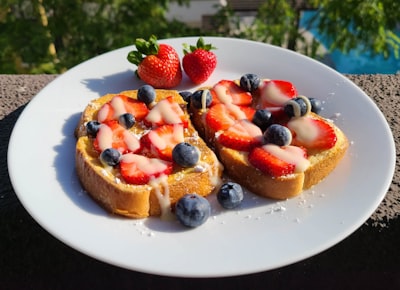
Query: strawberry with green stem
x=199, y=62
x=157, y=64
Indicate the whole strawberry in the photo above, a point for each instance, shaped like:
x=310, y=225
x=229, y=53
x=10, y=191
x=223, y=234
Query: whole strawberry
x=199, y=61
x=157, y=64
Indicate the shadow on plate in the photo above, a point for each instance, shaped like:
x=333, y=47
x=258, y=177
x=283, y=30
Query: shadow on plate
x=64, y=165
x=123, y=81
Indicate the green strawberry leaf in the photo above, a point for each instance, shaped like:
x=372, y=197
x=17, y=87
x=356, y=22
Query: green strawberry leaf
x=199, y=45
x=135, y=57
x=144, y=48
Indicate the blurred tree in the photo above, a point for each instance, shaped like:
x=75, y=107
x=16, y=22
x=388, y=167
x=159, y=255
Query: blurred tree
x=51, y=36
x=346, y=24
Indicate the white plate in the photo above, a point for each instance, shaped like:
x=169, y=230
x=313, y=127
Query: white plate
x=262, y=234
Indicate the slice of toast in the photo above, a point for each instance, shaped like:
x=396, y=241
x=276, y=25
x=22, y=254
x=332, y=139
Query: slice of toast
x=157, y=197
x=238, y=167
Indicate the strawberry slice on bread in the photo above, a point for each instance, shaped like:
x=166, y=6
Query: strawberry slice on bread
x=139, y=169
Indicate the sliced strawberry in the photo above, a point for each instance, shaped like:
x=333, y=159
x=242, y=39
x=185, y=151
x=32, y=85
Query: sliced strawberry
x=229, y=92
x=222, y=116
x=119, y=105
x=273, y=160
x=166, y=111
x=242, y=136
x=274, y=94
x=112, y=135
x=312, y=133
x=138, y=169
x=162, y=140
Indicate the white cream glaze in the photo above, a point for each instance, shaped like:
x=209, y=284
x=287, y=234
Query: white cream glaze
x=131, y=141
x=104, y=137
x=222, y=94
x=118, y=106
x=290, y=154
x=165, y=111
x=162, y=196
x=271, y=94
x=149, y=166
x=162, y=142
x=304, y=129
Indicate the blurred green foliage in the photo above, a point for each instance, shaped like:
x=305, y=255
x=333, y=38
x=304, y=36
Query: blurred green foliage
x=76, y=30
x=38, y=36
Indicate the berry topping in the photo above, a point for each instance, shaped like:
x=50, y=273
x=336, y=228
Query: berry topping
x=297, y=107
x=166, y=111
x=242, y=135
x=113, y=135
x=230, y=195
x=127, y=120
x=185, y=154
x=121, y=104
x=157, y=64
x=262, y=118
x=139, y=169
x=201, y=99
x=249, y=82
x=229, y=92
x=279, y=161
x=199, y=62
x=192, y=210
x=274, y=95
x=92, y=127
x=186, y=96
x=278, y=134
x=316, y=105
x=221, y=116
x=162, y=140
x=146, y=94
x=110, y=156
x=312, y=133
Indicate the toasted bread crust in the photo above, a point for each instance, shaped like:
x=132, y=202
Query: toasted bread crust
x=107, y=187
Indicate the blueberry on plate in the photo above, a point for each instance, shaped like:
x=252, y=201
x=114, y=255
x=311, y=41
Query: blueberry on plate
x=127, y=120
x=249, y=82
x=92, y=127
x=316, y=105
x=185, y=154
x=262, y=118
x=110, y=156
x=230, y=195
x=192, y=210
x=146, y=94
x=201, y=99
x=278, y=134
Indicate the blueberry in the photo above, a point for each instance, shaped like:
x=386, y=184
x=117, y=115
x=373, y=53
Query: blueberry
x=201, y=97
x=192, y=210
x=278, y=134
x=146, y=94
x=92, y=127
x=297, y=107
x=249, y=82
x=110, y=156
x=316, y=105
x=230, y=195
x=262, y=118
x=186, y=96
x=127, y=120
x=185, y=154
